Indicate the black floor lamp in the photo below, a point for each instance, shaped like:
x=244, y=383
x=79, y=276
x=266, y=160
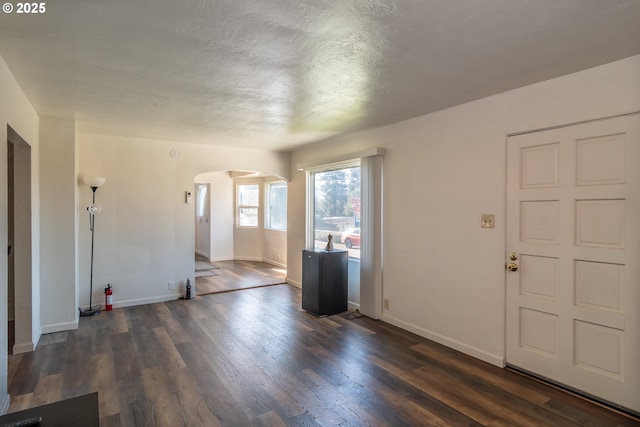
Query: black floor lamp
x=93, y=210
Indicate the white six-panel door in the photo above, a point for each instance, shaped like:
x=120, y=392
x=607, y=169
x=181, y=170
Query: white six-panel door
x=573, y=216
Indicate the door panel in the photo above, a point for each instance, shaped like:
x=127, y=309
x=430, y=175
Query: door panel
x=573, y=304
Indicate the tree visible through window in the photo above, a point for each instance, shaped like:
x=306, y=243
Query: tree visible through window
x=337, y=208
x=248, y=204
x=276, y=205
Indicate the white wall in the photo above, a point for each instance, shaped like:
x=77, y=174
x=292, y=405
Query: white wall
x=16, y=111
x=58, y=225
x=274, y=247
x=221, y=185
x=443, y=274
x=145, y=233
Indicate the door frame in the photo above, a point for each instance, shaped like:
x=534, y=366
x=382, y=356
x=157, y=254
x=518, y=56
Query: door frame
x=22, y=244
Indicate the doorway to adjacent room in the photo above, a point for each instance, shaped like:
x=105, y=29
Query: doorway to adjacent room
x=19, y=259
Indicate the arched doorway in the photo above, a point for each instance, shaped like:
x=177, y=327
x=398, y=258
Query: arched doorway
x=235, y=224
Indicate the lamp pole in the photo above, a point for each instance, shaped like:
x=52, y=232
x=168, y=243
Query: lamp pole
x=90, y=311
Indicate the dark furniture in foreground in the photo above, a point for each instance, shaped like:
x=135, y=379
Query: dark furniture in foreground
x=79, y=411
x=324, y=281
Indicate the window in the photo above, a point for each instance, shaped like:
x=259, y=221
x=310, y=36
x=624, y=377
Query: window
x=248, y=202
x=276, y=212
x=358, y=184
x=336, y=208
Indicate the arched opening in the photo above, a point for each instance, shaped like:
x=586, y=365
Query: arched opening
x=239, y=226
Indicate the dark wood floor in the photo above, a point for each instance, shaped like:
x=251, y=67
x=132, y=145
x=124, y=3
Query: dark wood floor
x=255, y=358
x=235, y=275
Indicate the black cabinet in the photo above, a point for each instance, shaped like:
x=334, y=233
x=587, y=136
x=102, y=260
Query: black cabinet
x=324, y=281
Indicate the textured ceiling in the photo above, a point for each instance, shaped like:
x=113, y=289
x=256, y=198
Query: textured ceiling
x=275, y=74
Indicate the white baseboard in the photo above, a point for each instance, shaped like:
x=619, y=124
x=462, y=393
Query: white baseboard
x=243, y=258
x=143, y=301
x=478, y=353
x=257, y=259
x=24, y=347
x=293, y=283
x=202, y=253
x=140, y=301
x=275, y=263
x=4, y=405
x=59, y=327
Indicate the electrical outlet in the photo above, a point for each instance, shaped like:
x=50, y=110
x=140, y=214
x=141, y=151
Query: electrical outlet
x=386, y=304
x=172, y=285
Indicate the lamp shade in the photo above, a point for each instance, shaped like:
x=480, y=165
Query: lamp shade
x=93, y=181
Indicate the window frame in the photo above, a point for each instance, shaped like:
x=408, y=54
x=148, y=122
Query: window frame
x=311, y=194
x=267, y=204
x=239, y=206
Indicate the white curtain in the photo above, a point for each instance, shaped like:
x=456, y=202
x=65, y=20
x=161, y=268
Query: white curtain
x=371, y=231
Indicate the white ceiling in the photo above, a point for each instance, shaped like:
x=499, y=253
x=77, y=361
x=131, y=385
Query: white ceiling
x=275, y=74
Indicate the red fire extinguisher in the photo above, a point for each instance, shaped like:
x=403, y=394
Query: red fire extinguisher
x=108, y=298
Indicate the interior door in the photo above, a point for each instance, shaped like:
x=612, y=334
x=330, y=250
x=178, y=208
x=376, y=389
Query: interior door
x=573, y=251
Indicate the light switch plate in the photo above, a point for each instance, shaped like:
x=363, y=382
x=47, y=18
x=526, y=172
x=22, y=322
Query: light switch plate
x=488, y=221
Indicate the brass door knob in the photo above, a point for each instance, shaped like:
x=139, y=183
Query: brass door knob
x=511, y=266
